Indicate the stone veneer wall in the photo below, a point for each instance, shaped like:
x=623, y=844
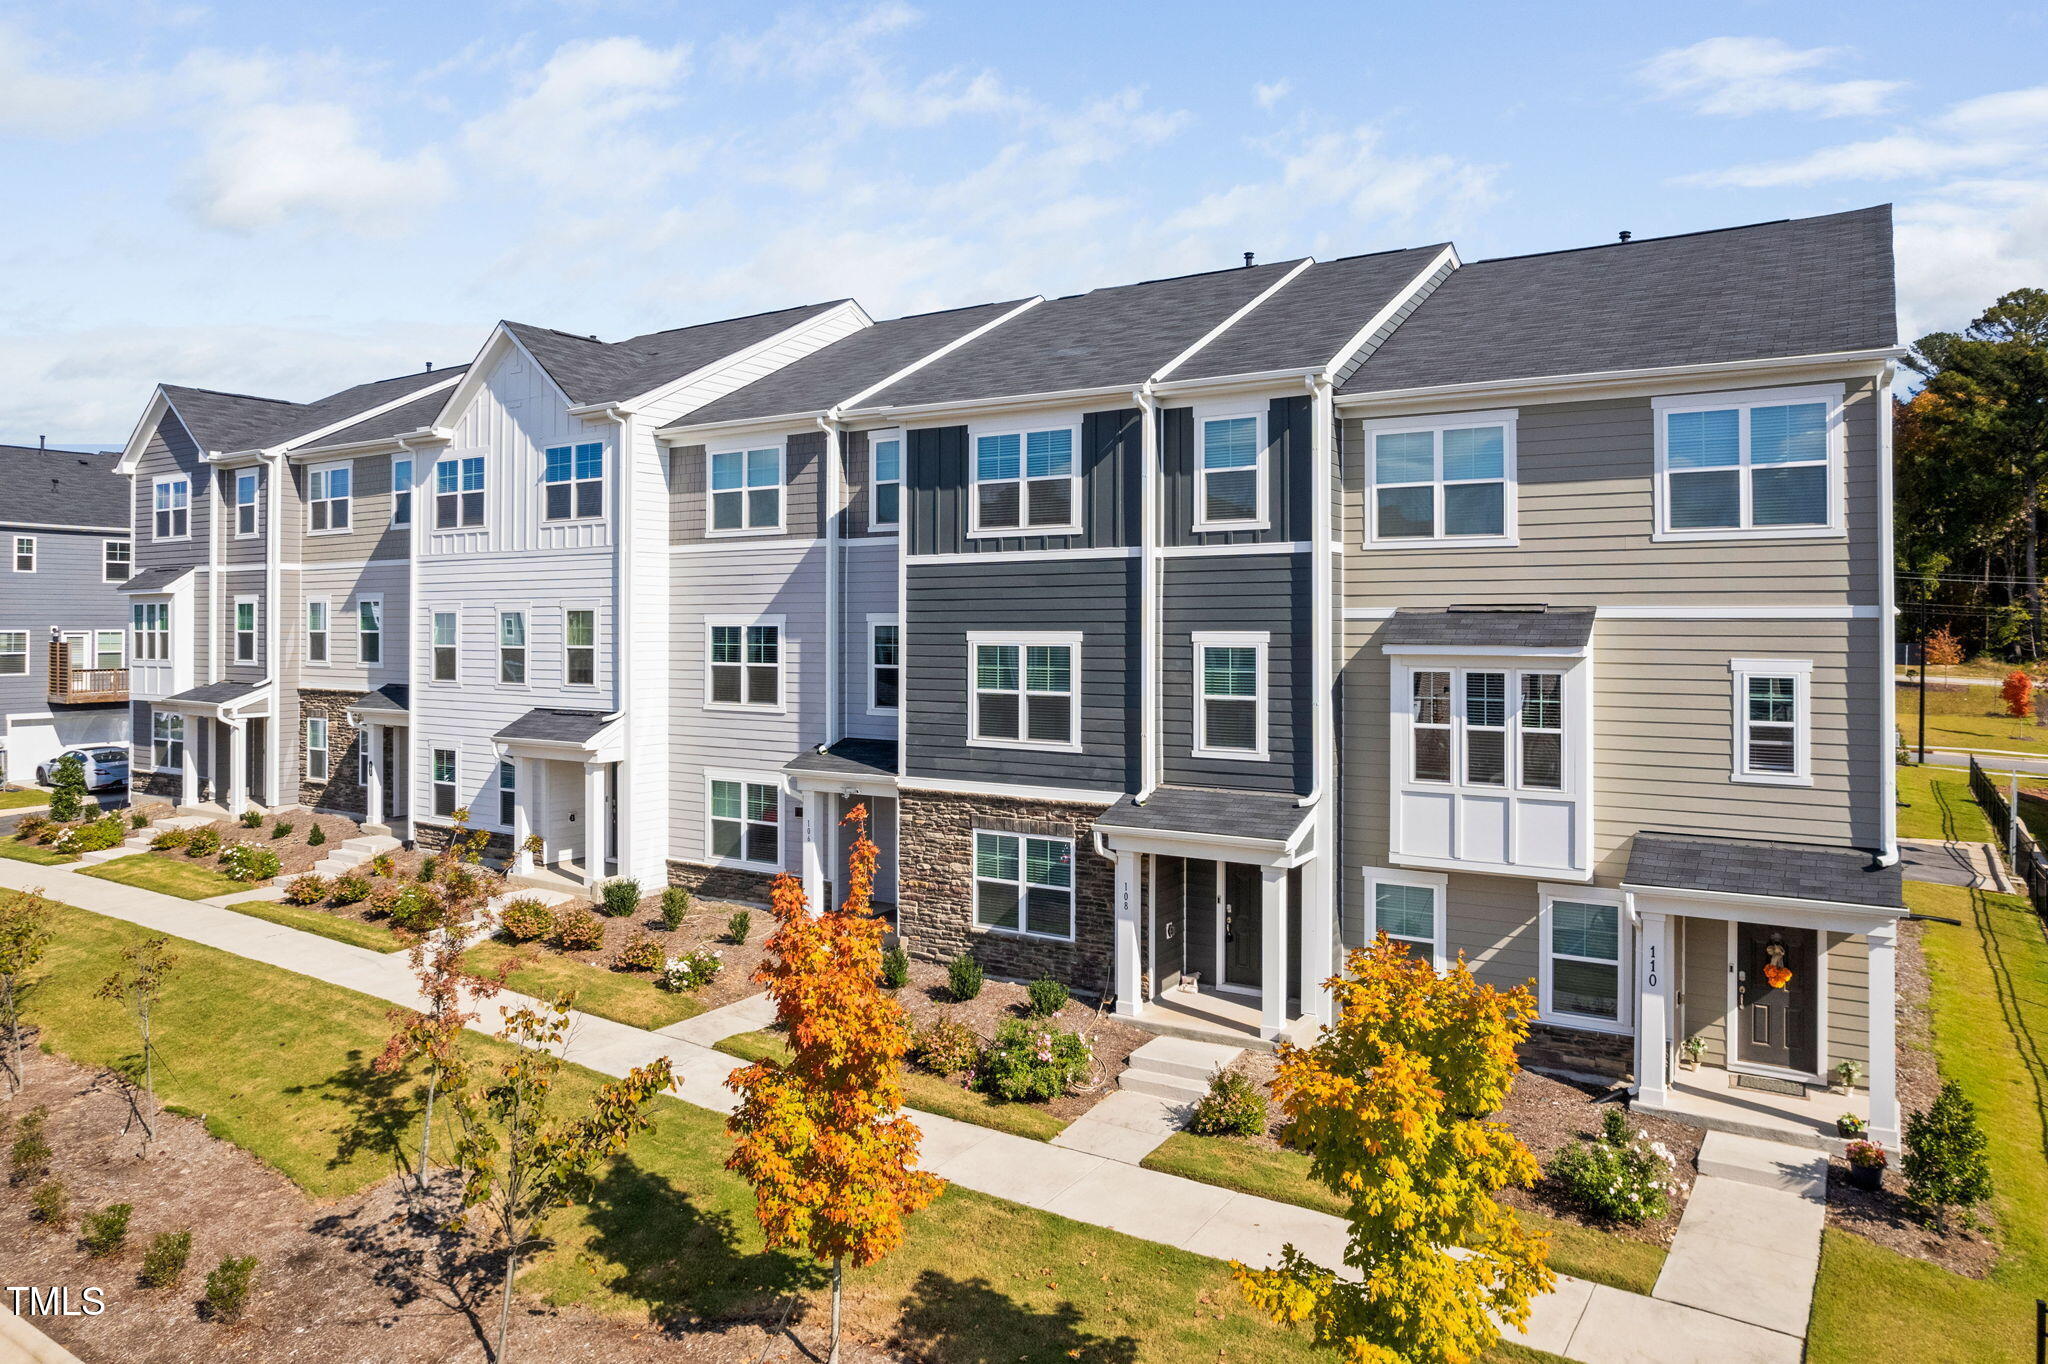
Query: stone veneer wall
x=161, y=785
x=1575, y=1049
x=722, y=883
x=935, y=887
x=436, y=837
x=343, y=789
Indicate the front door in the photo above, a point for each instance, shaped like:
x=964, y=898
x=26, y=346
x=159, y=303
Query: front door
x=1243, y=931
x=254, y=734
x=1776, y=1020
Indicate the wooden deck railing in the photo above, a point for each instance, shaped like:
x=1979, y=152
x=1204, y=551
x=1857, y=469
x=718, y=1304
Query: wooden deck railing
x=78, y=686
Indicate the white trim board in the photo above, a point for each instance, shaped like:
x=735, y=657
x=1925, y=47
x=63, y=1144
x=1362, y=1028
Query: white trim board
x=1681, y=612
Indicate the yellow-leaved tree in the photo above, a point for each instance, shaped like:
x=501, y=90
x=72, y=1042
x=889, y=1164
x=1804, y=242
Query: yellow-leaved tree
x=1393, y=1102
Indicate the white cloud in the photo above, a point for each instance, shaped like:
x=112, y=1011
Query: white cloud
x=581, y=120
x=269, y=163
x=2007, y=112
x=38, y=98
x=1964, y=245
x=1736, y=77
x=1902, y=156
x=1343, y=181
x=1266, y=96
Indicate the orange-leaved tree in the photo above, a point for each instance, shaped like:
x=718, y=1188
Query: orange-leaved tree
x=819, y=1136
x=1393, y=1101
x=1943, y=650
x=2019, y=694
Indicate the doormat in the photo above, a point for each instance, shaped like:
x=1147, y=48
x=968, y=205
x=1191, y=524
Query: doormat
x=1771, y=1084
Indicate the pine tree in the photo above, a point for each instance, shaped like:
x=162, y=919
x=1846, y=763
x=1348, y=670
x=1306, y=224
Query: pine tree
x=1947, y=1156
x=67, y=789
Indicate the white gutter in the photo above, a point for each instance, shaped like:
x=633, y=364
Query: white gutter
x=834, y=688
x=1148, y=594
x=1620, y=377
x=273, y=592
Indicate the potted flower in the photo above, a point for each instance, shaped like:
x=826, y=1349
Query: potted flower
x=1866, y=1165
x=1849, y=1126
x=1691, y=1052
x=1847, y=1073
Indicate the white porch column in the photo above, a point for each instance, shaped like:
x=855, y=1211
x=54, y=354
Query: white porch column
x=1128, y=959
x=188, y=778
x=817, y=828
x=1884, y=1051
x=1318, y=943
x=238, y=762
x=594, y=822
x=371, y=737
x=1655, y=990
x=1272, y=951
x=522, y=814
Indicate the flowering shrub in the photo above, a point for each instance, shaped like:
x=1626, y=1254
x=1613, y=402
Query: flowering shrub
x=102, y=833
x=641, y=954
x=1033, y=1060
x=203, y=843
x=167, y=840
x=250, y=862
x=349, y=889
x=578, y=930
x=1624, y=1176
x=692, y=971
x=945, y=1047
x=526, y=918
x=1233, y=1107
x=1867, y=1153
x=305, y=890
x=416, y=909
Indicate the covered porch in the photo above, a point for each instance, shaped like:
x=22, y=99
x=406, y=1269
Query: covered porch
x=226, y=743
x=383, y=721
x=563, y=769
x=828, y=783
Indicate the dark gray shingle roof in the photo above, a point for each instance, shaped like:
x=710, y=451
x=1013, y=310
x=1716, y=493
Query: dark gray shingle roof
x=61, y=488
x=1107, y=338
x=400, y=420
x=1756, y=866
x=555, y=726
x=847, y=366
x=1806, y=286
x=1305, y=323
x=1202, y=810
x=155, y=579
x=225, y=422
x=591, y=371
x=1491, y=627
x=215, y=694
x=849, y=758
x=393, y=696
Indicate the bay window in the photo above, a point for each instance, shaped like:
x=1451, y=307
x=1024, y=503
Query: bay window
x=151, y=626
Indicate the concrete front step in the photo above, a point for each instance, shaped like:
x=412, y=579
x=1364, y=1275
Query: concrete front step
x=1172, y=1088
x=1185, y=1058
x=1765, y=1164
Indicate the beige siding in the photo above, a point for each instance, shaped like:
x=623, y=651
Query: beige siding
x=370, y=534
x=1848, y=1036
x=1703, y=986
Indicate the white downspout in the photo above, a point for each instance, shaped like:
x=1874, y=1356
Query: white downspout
x=835, y=440
x=1320, y=579
x=1148, y=593
x=273, y=593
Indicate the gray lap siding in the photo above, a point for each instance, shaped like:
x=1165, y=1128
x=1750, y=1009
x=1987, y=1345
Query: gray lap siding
x=1240, y=592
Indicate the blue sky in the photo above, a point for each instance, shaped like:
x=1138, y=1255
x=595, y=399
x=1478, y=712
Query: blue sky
x=286, y=200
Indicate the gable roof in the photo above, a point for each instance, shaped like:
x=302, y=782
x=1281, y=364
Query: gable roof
x=61, y=488
x=227, y=422
x=847, y=367
x=400, y=420
x=593, y=371
x=1112, y=337
x=1800, y=286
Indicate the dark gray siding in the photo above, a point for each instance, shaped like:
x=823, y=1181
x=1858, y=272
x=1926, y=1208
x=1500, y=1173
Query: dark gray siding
x=1289, y=465
x=1198, y=900
x=66, y=592
x=854, y=471
x=937, y=485
x=1097, y=597
x=1170, y=875
x=1269, y=592
x=803, y=510
x=170, y=451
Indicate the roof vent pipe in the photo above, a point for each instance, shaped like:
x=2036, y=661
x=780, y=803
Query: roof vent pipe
x=42, y=442
x=1626, y=235
x=1247, y=260
x=430, y=366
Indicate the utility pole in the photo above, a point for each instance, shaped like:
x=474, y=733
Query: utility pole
x=1921, y=611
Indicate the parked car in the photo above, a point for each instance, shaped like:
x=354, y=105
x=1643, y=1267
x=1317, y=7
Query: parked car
x=105, y=768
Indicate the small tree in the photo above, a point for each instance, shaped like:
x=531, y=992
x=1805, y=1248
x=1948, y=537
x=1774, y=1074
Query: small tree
x=2019, y=695
x=820, y=1137
x=24, y=934
x=1944, y=651
x=67, y=788
x=1393, y=1103
x=1946, y=1160
x=521, y=1165
x=137, y=986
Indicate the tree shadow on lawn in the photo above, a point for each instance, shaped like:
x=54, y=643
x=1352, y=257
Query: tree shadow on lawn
x=383, y=1112
x=967, y=1321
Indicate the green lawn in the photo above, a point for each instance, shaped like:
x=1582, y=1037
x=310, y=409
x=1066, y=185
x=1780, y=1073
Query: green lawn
x=1935, y=802
x=1990, y=1006
x=15, y=800
x=354, y=932
x=622, y=996
x=188, y=880
x=1968, y=718
x=928, y=1092
x=16, y=850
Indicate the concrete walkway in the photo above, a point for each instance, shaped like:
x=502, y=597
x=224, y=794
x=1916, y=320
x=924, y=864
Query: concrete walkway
x=1589, y=1323
x=1748, y=1247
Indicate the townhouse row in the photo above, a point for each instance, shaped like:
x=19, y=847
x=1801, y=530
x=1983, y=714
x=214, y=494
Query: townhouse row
x=1176, y=636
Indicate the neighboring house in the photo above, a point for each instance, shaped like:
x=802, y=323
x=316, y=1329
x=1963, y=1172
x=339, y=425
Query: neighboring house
x=63, y=661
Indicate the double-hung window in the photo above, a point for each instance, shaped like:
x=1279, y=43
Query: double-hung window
x=1026, y=690
x=1231, y=467
x=117, y=560
x=370, y=631
x=1024, y=481
x=316, y=749
x=1444, y=480
x=327, y=497
x=1773, y=730
x=574, y=481
x=1024, y=884
x=1463, y=727
x=508, y=792
x=316, y=631
x=151, y=622
x=13, y=653
x=24, y=554
x=746, y=490
x=579, y=643
x=885, y=664
x=1763, y=464
x=247, y=484
x=442, y=769
x=746, y=821
x=1230, y=705
x=744, y=663
x=885, y=455
x=512, y=647
x=444, y=646
x=459, y=492
x=245, y=629
x=1581, y=978
x=167, y=741
x=401, y=492
x=171, y=505
x=107, y=650
x=1408, y=906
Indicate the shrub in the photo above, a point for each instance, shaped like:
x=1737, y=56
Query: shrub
x=895, y=968
x=416, y=909
x=383, y=864
x=348, y=888
x=428, y=865
x=641, y=954
x=315, y=836
x=106, y=1231
x=163, y=1264
x=1621, y=1177
x=28, y=826
x=169, y=839
x=619, y=896
x=50, y=1204
x=1233, y=1107
x=963, y=977
x=94, y=836
x=203, y=843
x=250, y=862
x=67, y=789
x=252, y=819
x=1048, y=997
x=737, y=927
x=228, y=1286
x=578, y=930
x=1031, y=1060
x=305, y=890
x=691, y=971
x=2019, y=695
x=945, y=1047
x=282, y=829
x=29, y=1156
x=460, y=882
x=675, y=907
x=137, y=820
x=1945, y=1162
x=526, y=918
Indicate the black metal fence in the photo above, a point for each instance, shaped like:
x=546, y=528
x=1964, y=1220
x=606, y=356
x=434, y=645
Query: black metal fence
x=2027, y=857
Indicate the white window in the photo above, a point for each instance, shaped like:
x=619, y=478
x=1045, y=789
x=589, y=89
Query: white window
x=327, y=498
x=13, y=653
x=1773, y=730
x=1230, y=491
x=579, y=647
x=1025, y=480
x=1230, y=703
x=1026, y=690
x=363, y=751
x=1445, y=480
x=247, y=481
x=171, y=502
x=316, y=749
x=370, y=631
x=885, y=665
x=574, y=482
x=1024, y=884
x=746, y=822
x=167, y=741
x=1408, y=906
x=245, y=629
x=107, y=650
x=1761, y=464
x=743, y=664
x=746, y=490
x=117, y=560
x=401, y=492
x=444, y=646
x=151, y=624
x=508, y=792
x=512, y=647
x=885, y=455
x=1484, y=739
x=24, y=554
x=443, y=771
x=1581, y=981
x=459, y=492
x=316, y=631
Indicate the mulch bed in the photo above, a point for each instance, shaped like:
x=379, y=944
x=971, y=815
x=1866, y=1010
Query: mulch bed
x=703, y=927
x=294, y=854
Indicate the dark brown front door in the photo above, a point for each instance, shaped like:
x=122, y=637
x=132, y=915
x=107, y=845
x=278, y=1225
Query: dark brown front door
x=1776, y=1024
x=1243, y=935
